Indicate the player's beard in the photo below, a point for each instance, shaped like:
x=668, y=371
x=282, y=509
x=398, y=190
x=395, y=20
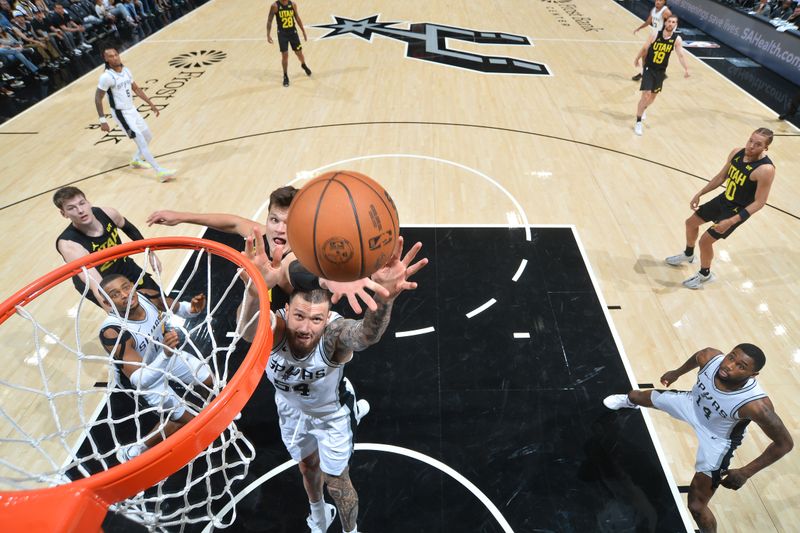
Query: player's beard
x=302, y=347
x=732, y=383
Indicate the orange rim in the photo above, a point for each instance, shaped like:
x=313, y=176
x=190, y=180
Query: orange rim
x=82, y=504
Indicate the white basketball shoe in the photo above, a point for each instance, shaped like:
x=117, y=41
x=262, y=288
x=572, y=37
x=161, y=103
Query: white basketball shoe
x=330, y=514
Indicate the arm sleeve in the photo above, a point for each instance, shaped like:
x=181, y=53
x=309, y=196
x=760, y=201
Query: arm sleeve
x=302, y=279
x=132, y=231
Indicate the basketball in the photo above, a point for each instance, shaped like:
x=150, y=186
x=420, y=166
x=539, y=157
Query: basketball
x=342, y=225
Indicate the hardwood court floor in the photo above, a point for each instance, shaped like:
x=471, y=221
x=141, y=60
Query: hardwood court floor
x=457, y=146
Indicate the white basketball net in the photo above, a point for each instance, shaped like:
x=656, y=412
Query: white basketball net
x=64, y=411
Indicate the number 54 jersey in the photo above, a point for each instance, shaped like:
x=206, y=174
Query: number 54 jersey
x=312, y=384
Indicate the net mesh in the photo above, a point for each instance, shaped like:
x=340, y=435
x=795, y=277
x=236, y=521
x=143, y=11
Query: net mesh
x=68, y=410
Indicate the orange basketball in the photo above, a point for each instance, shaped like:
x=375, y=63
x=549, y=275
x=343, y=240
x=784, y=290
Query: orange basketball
x=342, y=225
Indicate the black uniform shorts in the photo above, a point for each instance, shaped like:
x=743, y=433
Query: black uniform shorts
x=652, y=80
x=719, y=209
x=285, y=39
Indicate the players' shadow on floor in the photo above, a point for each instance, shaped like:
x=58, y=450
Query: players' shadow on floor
x=668, y=278
x=634, y=499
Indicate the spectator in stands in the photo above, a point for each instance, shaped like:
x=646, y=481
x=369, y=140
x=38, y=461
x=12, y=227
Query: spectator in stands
x=63, y=21
x=41, y=25
x=795, y=17
x=763, y=9
x=23, y=30
x=26, y=6
x=785, y=10
x=6, y=13
x=85, y=14
x=12, y=51
x=106, y=9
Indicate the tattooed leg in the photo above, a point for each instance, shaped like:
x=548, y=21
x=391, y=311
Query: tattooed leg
x=344, y=495
x=312, y=476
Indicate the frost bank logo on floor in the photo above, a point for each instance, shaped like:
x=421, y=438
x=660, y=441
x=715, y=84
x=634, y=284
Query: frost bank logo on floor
x=202, y=58
x=567, y=14
x=428, y=42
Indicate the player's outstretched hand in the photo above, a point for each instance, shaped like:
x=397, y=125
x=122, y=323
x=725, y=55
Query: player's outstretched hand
x=669, y=378
x=164, y=217
x=734, y=479
x=198, y=303
x=254, y=250
x=355, y=290
x=394, y=276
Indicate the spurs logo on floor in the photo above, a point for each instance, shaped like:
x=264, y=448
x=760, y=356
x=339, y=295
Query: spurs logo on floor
x=428, y=42
x=203, y=58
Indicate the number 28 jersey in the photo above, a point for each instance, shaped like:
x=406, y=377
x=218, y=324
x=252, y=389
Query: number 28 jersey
x=312, y=384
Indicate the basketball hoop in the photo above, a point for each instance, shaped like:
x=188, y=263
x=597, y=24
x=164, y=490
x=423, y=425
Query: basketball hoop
x=81, y=505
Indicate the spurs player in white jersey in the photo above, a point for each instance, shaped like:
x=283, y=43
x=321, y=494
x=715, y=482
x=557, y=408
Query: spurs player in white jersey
x=725, y=398
x=137, y=333
x=117, y=82
x=315, y=404
x=655, y=22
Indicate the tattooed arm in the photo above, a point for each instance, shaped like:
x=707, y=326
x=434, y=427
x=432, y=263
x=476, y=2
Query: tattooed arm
x=762, y=413
x=343, y=337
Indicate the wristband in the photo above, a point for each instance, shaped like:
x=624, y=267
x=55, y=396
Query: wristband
x=102, y=120
x=744, y=214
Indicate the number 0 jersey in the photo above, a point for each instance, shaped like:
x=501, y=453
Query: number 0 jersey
x=313, y=384
x=739, y=188
x=718, y=410
x=659, y=51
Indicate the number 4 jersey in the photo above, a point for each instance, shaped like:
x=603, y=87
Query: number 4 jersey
x=312, y=384
x=718, y=410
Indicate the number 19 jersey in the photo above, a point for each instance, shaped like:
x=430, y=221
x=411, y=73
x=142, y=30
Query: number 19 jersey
x=659, y=51
x=312, y=384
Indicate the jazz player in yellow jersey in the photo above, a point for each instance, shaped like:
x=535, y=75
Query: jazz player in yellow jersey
x=656, y=52
x=288, y=20
x=748, y=175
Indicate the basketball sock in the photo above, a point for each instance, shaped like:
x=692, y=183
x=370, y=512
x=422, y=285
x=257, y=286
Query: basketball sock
x=318, y=511
x=689, y=251
x=144, y=152
x=638, y=119
x=355, y=530
x=705, y=271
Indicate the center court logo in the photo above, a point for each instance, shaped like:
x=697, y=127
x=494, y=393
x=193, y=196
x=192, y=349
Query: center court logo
x=428, y=42
x=202, y=58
